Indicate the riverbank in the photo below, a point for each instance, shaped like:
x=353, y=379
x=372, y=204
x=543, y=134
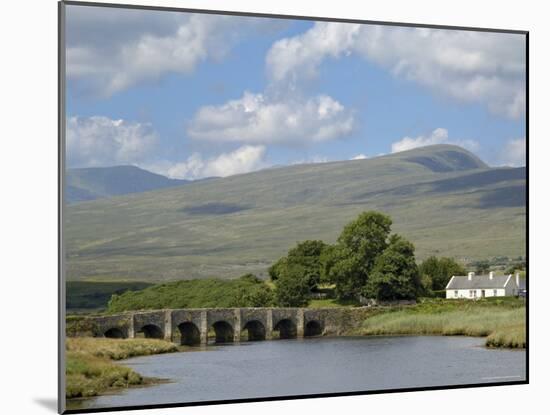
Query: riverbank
x=501, y=321
x=314, y=366
x=90, y=366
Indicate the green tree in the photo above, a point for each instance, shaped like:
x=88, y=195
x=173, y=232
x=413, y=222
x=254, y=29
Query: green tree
x=349, y=263
x=395, y=274
x=439, y=271
x=275, y=269
x=367, y=236
x=305, y=254
x=292, y=287
x=345, y=270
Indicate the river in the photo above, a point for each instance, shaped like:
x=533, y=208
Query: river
x=313, y=366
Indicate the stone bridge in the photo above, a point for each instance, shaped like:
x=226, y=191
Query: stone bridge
x=222, y=325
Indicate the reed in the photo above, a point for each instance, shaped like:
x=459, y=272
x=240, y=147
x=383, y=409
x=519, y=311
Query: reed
x=502, y=327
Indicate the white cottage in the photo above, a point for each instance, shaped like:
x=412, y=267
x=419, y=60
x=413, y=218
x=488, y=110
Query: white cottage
x=479, y=286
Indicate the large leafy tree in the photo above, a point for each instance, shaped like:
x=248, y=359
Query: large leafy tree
x=439, y=271
x=349, y=263
x=292, y=288
x=395, y=274
x=367, y=236
x=345, y=270
x=306, y=255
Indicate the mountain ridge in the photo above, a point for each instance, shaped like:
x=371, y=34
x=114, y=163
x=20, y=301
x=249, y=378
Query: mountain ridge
x=91, y=183
x=448, y=204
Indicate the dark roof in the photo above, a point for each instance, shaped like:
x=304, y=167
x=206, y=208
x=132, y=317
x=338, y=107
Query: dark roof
x=522, y=283
x=461, y=282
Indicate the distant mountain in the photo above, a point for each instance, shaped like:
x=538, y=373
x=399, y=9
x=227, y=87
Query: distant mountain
x=99, y=182
x=443, y=198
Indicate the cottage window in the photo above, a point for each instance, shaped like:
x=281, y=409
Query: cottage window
x=456, y=293
x=495, y=292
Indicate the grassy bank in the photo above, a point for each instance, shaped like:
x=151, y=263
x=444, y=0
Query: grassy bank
x=90, y=368
x=330, y=303
x=501, y=321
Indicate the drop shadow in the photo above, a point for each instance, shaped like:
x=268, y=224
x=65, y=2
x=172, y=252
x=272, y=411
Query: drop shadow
x=48, y=403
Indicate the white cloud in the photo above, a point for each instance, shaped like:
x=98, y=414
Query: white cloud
x=290, y=59
x=243, y=160
x=359, y=157
x=437, y=136
x=258, y=119
x=514, y=153
x=469, y=66
x=115, y=49
x=101, y=141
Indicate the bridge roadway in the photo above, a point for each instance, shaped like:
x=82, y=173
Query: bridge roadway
x=221, y=325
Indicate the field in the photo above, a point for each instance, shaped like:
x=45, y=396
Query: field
x=502, y=321
x=442, y=198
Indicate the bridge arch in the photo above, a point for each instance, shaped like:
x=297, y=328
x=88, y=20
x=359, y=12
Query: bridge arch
x=190, y=334
x=313, y=328
x=255, y=330
x=151, y=331
x=223, y=332
x=287, y=328
x=114, y=333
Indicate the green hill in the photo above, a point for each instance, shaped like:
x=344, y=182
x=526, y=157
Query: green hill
x=442, y=198
x=99, y=182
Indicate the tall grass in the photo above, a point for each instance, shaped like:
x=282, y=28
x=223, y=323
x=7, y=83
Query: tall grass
x=504, y=327
x=90, y=369
x=512, y=337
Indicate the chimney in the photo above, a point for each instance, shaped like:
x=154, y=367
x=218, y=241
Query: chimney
x=491, y=275
x=517, y=279
x=470, y=275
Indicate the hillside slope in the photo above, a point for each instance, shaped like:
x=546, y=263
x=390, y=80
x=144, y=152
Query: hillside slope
x=443, y=198
x=99, y=182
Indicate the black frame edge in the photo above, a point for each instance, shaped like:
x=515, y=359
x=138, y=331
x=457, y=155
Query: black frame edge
x=61, y=291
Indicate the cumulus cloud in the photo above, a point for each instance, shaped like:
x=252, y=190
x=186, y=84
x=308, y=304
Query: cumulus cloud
x=359, y=157
x=259, y=119
x=488, y=68
x=111, y=50
x=437, y=136
x=242, y=160
x=295, y=58
x=101, y=141
x=514, y=153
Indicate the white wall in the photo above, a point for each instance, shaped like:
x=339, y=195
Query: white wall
x=490, y=292
x=29, y=179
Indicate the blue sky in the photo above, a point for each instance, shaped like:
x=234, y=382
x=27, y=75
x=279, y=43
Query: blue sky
x=192, y=96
